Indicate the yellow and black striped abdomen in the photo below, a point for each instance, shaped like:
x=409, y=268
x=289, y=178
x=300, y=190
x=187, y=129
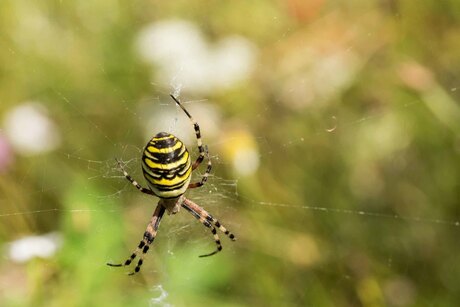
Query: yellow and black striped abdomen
x=166, y=165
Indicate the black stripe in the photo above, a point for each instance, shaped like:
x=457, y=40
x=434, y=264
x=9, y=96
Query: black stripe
x=196, y=215
x=145, y=171
x=168, y=176
x=162, y=187
x=148, y=236
x=165, y=188
x=209, y=217
x=166, y=143
x=163, y=172
x=164, y=158
x=207, y=224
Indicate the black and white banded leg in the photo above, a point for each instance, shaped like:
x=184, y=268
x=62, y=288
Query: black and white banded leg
x=133, y=182
x=149, y=235
x=197, y=133
x=205, y=175
x=207, y=220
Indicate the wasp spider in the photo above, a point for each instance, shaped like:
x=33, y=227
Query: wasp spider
x=167, y=168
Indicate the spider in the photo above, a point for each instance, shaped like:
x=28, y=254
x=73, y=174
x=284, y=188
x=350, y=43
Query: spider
x=167, y=168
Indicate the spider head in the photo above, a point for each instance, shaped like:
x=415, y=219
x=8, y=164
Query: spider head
x=172, y=205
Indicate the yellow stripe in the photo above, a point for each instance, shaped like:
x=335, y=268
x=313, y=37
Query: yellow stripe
x=167, y=166
x=147, y=170
x=189, y=162
x=169, y=173
x=152, y=149
x=171, y=182
x=150, y=155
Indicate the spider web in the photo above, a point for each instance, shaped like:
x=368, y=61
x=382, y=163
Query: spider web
x=220, y=196
x=223, y=195
x=216, y=187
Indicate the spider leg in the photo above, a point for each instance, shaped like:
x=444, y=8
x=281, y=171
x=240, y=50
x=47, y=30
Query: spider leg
x=209, y=225
x=133, y=182
x=205, y=175
x=207, y=220
x=197, y=133
x=149, y=235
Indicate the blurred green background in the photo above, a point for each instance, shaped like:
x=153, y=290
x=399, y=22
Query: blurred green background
x=334, y=132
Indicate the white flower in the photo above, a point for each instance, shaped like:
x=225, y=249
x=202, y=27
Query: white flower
x=30, y=130
x=184, y=58
x=44, y=246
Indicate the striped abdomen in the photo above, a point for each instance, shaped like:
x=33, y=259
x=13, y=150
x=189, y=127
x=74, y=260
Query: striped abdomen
x=166, y=165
